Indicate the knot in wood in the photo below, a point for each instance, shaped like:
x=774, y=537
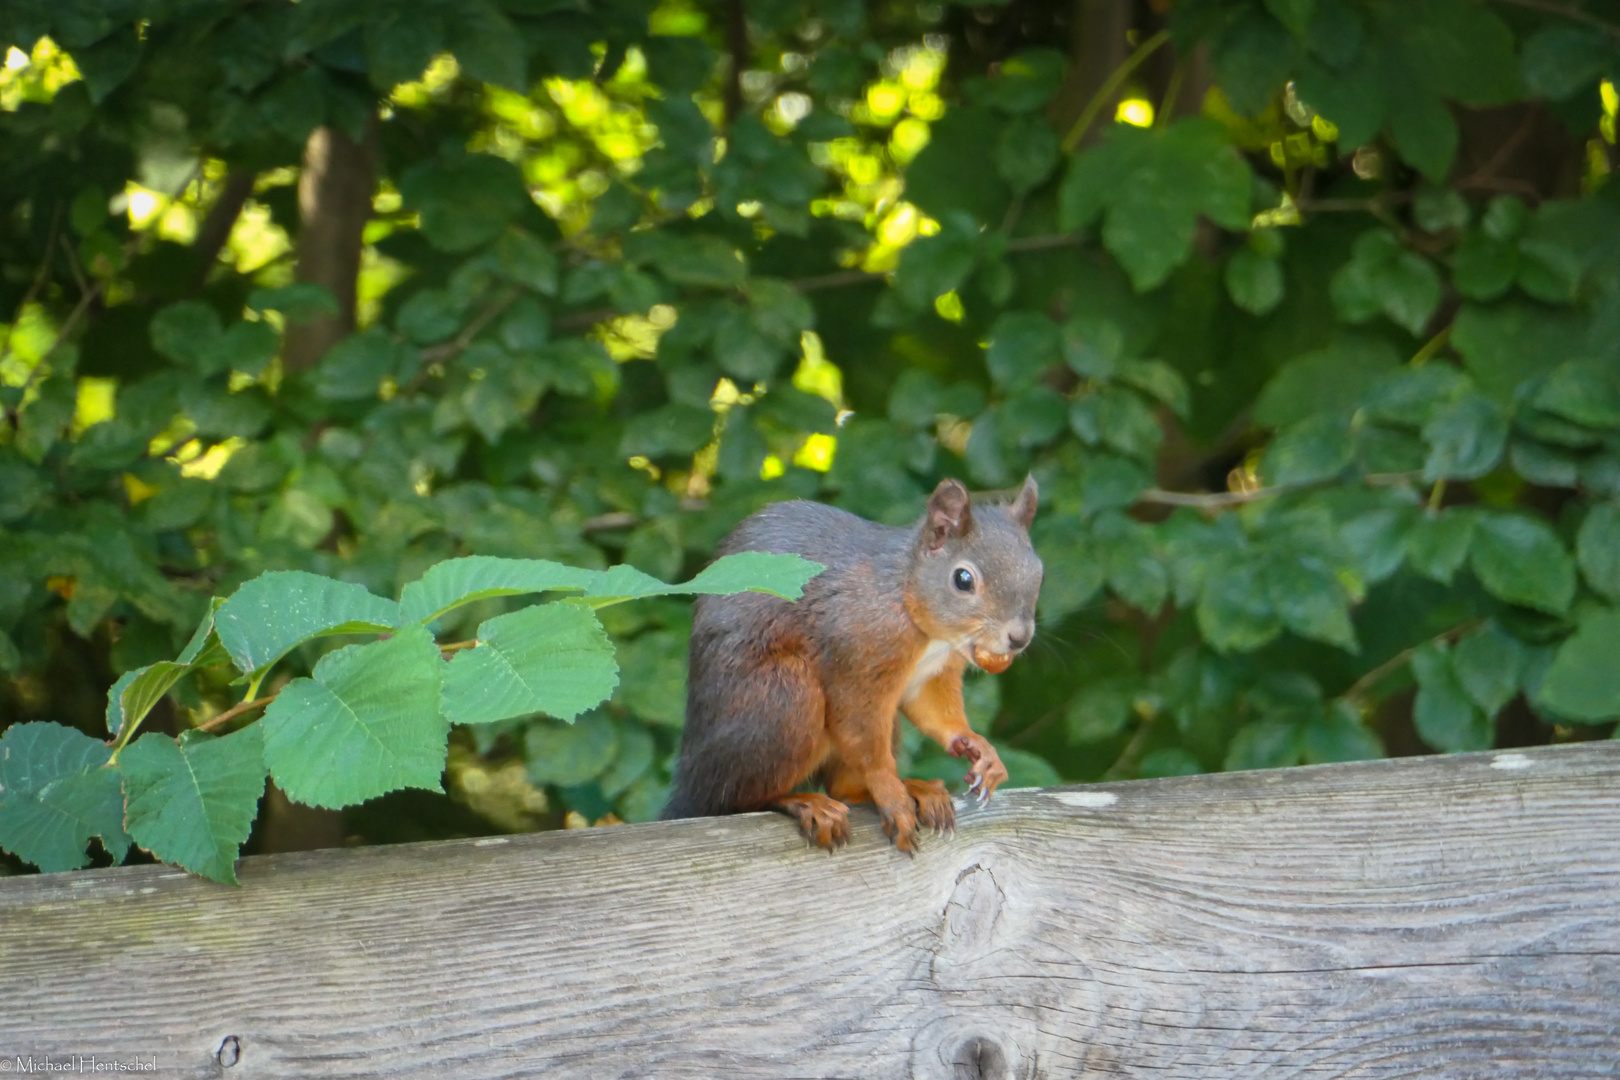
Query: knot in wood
x=972, y=1048
x=971, y=915
x=230, y=1051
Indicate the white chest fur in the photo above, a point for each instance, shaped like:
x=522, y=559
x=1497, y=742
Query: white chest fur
x=931, y=663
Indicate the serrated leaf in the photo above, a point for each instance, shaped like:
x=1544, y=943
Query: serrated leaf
x=366, y=722
x=1489, y=664
x=55, y=795
x=752, y=571
x=454, y=582
x=1466, y=439
x=192, y=802
x=275, y=612
x=135, y=692
x=549, y=658
x=1521, y=560
x=1597, y=548
x=1445, y=717
x=1583, y=682
x=1438, y=543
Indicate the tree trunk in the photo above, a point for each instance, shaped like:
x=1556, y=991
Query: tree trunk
x=334, y=203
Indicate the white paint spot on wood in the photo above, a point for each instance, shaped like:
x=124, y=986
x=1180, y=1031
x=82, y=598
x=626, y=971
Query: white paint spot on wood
x=1510, y=761
x=490, y=841
x=1089, y=800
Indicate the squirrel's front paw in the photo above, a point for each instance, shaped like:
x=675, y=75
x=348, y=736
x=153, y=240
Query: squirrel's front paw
x=900, y=825
x=988, y=773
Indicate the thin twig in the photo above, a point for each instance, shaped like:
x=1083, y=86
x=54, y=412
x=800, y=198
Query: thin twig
x=1358, y=689
x=217, y=722
x=438, y=353
x=1215, y=499
x=1106, y=92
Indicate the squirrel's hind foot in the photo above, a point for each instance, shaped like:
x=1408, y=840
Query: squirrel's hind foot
x=823, y=820
x=935, y=810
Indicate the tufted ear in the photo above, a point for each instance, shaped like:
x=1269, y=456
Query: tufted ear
x=949, y=514
x=1022, y=509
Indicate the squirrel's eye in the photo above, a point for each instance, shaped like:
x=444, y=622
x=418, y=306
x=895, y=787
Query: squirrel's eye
x=962, y=578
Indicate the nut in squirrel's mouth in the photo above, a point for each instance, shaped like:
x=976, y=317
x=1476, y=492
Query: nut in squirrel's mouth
x=993, y=662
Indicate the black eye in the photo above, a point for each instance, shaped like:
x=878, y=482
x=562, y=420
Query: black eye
x=962, y=578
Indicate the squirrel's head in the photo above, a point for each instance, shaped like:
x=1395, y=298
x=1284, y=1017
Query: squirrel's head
x=975, y=576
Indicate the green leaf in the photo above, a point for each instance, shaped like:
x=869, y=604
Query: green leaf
x=526, y=260
x=1151, y=187
x=568, y=754
x=354, y=368
x=751, y=571
x=1026, y=152
x=464, y=200
x=653, y=677
x=1093, y=347
x=671, y=429
x=1425, y=133
x=1317, y=448
x=1438, y=543
x=1581, y=393
x=1309, y=600
x=488, y=46
x=1100, y=711
x=1254, y=281
x=55, y=795
x=1597, y=548
x=188, y=333
x=192, y=802
x=1489, y=664
x=135, y=692
x=300, y=302
x=275, y=612
x=1026, y=80
x=549, y=658
x=365, y=723
x=1027, y=770
x=1466, y=439
x=701, y=260
x=1022, y=345
x=1504, y=345
x=1169, y=761
x=1445, y=716
x=1332, y=379
x=1521, y=560
x=1159, y=381
x=1339, y=735
x=454, y=582
x=632, y=761
x=1382, y=276
x=1482, y=268
x=1235, y=611
x=1264, y=744
x=1583, y=683
x=1560, y=59
x=1130, y=561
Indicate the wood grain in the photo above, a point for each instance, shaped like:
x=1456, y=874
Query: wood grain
x=1437, y=917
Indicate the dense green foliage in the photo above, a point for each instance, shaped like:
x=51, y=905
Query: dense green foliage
x=1315, y=351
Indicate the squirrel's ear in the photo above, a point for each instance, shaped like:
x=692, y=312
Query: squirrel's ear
x=1022, y=509
x=949, y=514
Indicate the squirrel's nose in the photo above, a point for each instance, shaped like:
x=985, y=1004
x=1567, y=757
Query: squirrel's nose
x=1018, y=635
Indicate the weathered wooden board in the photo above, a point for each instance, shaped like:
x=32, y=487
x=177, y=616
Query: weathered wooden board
x=1439, y=917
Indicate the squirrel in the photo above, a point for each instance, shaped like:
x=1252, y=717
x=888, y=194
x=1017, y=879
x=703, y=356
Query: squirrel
x=781, y=693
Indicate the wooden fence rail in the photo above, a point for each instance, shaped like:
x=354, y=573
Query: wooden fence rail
x=1436, y=917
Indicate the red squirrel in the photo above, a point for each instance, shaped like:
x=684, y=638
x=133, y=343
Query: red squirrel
x=781, y=694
